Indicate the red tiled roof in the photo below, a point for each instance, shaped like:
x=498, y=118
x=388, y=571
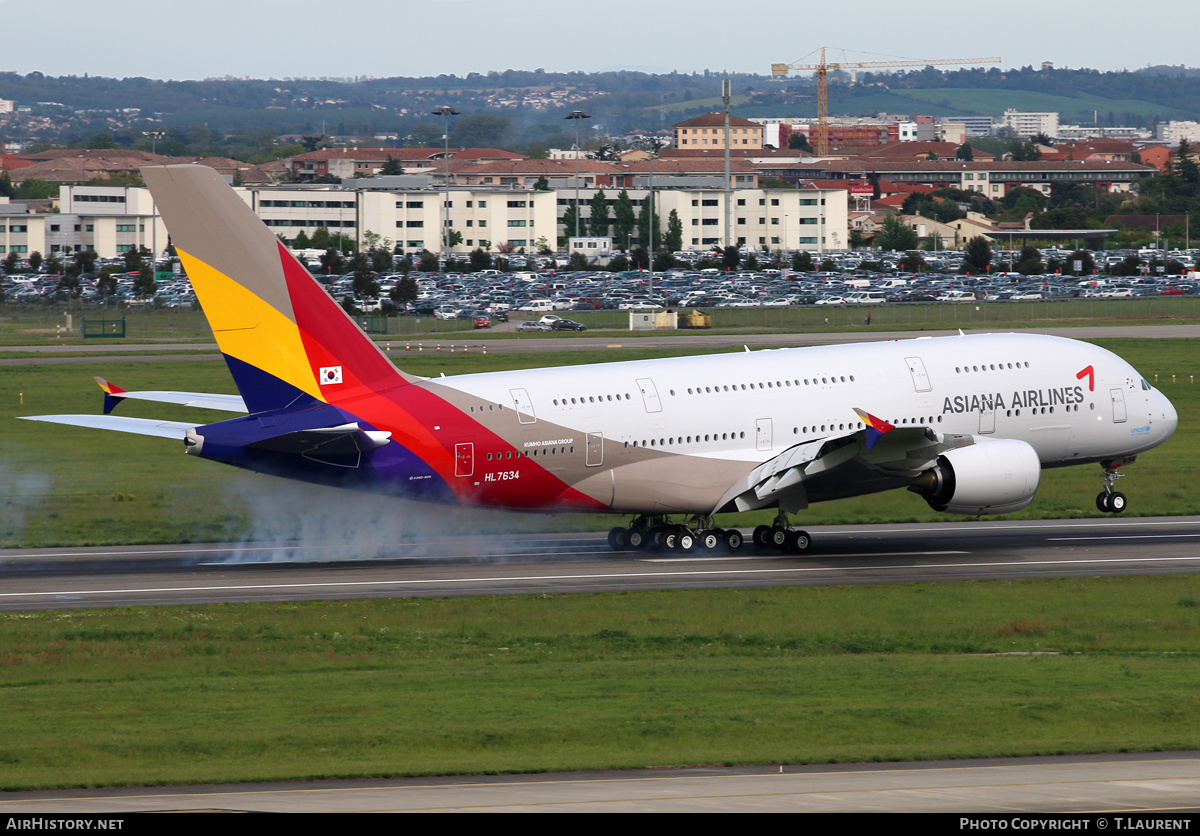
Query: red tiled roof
x=717, y=120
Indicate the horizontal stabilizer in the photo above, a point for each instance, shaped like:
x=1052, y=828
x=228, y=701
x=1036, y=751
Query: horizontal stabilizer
x=114, y=394
x=138, y=426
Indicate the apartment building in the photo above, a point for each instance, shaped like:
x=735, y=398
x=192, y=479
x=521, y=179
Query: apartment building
x=708, y=131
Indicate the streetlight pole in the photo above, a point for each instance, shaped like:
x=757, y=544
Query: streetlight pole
x=577, y=115
x=155, y=136
x=652, y=145
x=445, y=111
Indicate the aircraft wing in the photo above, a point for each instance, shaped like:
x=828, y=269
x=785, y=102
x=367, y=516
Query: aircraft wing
x=896, y=452
x=114, y=394
x=140, y=426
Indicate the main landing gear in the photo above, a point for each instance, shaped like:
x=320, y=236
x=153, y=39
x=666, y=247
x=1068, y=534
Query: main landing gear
x=782, y=537
x=700, y=535
x=1108, y=500
x=656, y=532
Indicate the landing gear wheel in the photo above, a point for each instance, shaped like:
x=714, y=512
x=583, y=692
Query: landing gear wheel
x=761, y=533
x=685, y=540
x=670, y=539
x=1102, y=501
x=733, y=540
x=637, y=538
x=709, y=540
x=658, y=537
x=798, y=542
x=1117, y=502
x=618, y=539
x=777, y=538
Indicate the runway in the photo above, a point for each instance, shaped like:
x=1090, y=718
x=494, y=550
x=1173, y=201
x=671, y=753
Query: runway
x=1128, y=791
x=472, y=565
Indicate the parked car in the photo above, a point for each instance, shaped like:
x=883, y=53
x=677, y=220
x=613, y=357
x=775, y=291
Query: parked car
x=567, y=325
x=530, y=325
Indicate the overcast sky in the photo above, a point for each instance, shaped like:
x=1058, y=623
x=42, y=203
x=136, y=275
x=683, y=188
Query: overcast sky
x=169, y=40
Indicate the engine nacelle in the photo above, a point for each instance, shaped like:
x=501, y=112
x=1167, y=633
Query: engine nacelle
x=992, y=476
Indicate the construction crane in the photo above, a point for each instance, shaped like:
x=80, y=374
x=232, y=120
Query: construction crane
x=822, y=70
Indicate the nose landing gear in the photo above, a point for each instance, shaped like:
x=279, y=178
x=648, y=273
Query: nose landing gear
x=1108, y=500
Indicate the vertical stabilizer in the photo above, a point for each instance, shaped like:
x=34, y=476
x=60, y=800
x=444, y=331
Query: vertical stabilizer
x=284, y=338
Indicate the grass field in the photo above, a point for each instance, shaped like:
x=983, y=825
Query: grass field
x=65, y=486
x=27, y=325
x=380, y=688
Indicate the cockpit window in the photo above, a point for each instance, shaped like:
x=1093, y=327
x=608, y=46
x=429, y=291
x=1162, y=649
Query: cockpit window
x=1146, y=387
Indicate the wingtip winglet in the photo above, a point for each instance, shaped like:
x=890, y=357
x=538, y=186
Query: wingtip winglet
x=112, y=394
x=876, y=428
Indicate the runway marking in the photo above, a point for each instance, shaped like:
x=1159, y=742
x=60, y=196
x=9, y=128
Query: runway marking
x=1122, y=537
x=793, y=556
x=594, y=577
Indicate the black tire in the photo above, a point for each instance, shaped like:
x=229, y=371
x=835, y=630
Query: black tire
x=685, y=541
x=617, y=539
x=798, y=541
x=1117, y=502
x=670, y=540
x=761, y=533
x=708, y=540
x=638, y=538
x=1102, y=501
x=733, y=540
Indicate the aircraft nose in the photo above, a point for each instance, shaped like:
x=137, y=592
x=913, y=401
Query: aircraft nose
x=1164, y=416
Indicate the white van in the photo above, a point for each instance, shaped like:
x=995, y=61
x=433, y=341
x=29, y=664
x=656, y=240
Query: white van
x=538, y=306
x=865, y=297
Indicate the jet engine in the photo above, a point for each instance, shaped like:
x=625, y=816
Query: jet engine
x=992, y=476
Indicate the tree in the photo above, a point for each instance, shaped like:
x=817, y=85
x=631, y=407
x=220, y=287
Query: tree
x=569, y=220
x=1084, y=259
x=598, y=209
x=644, y=226
x=896, y=235
x=799, y=141
x=730, y=258
x=480, y=260
x=1030, y=261
x=364, y=282
x=674, y=239
x=542, y=184
x=965, y=152
x=392, y=167
x=1024, y=152
x=978, y=256
x=480, y=130
x=35, y=260
x=425, y=135
x=332, y=260
x=802, y=261
x=624, y=220
x=313, y=142
x=404, y=292
x=85, y=260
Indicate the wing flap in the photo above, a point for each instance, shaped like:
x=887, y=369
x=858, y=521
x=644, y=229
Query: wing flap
x=900, y=451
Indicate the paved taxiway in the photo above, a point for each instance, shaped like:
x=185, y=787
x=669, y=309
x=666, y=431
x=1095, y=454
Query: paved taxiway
x=1125, y=784
x=38, y=579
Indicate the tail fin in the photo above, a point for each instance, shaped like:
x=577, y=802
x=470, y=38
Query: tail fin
x=283, y=337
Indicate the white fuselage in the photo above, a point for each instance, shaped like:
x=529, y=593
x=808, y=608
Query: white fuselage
x=1071, y=401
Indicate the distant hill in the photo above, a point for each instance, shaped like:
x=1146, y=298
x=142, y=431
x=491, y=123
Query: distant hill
x=534, y=101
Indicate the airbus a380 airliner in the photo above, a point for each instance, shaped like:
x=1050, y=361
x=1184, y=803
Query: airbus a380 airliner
x=968, y=422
